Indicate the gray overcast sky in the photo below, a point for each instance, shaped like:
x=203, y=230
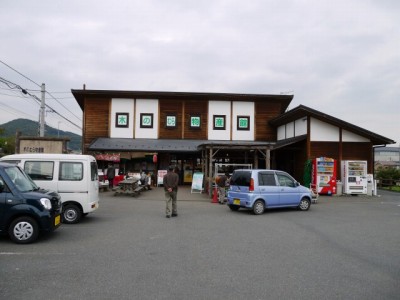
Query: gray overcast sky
x=339, y=57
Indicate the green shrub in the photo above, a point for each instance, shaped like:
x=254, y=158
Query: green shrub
x=388, y=173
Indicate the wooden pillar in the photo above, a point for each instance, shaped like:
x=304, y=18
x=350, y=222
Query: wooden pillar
x=340, y=156
x=267, y=158
x=255, y=159
x=210, y=172
x=204, y=168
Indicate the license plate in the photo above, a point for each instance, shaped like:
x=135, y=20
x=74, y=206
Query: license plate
x=57, y=220
x=236, y=201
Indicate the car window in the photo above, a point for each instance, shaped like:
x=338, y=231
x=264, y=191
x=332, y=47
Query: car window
x=71, y=171
x=241, y=178
x=285, y=180
x=3, y=184
x=266, y=179
x=39, y=170
x=20, y=180
x=93, y=171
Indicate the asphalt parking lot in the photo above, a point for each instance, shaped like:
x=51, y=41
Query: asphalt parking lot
x=342, y=248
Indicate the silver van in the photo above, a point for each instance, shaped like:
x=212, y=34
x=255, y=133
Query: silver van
x=262, y=189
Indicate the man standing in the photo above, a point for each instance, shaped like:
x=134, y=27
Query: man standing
x=110, y=176
x=170, y=182
x=221, y=182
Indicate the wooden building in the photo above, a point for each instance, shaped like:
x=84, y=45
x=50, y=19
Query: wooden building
x=150, y=130
x=304, y=133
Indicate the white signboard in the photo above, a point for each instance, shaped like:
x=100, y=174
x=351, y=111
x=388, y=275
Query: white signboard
x=197, y=183
x=160, y=176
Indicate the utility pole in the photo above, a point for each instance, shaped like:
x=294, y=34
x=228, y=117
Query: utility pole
x=42, y=111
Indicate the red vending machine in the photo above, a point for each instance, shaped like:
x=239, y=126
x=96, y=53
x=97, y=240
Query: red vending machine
x=324, y=175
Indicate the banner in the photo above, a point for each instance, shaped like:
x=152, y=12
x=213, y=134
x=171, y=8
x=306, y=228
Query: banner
x=197, y=182
x=108, y=157
x=160, y=176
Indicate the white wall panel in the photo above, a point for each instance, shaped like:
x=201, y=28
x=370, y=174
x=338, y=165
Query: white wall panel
x=321, y=131
x=147, y=106
x=281, y=132
x=348, y=136
x=242, y=109
x=219, y=108
x=300, y=126
x=122, y=106
x=290, y=130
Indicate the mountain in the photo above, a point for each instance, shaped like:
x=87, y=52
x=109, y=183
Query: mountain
x=31, y=128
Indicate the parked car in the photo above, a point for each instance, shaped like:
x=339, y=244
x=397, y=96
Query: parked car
x=25, y=210
x=262, y=189
x=74, y=177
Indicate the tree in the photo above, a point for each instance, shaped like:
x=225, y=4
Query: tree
x=7, y=144
x=388, y=173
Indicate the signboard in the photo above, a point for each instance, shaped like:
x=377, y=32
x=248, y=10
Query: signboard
x=108, y=157
x=197, y=183
x=40, y=146
x=160, y=176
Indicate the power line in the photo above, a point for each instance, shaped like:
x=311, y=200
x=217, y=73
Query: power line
x=11, y=109
x=46, y=93
x=19, y=73
x=24, y=91
x=62, y=104
x=51, y=92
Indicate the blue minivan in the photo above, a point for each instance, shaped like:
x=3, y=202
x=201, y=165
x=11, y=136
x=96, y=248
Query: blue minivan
x=262, y=189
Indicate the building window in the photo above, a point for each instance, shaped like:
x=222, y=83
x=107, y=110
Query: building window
x=146, y=120
x=122, y=120
x=170, y=121
x=195, y=121
x=219, y=122
x=243, y=123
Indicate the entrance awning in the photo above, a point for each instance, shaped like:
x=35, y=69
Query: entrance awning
x=165, y=145
x=124, y=144
x=289, y=141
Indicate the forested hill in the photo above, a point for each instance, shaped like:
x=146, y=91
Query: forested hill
x=31, y=128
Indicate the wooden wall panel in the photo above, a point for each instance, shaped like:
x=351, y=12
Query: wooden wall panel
x=324, y=149
x=196, y=108
x=359, y=151
x=96, y=120
x=168, y=107
x=264, y=112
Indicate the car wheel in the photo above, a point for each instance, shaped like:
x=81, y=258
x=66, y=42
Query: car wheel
x=258, y=207
x=23, y=230
x=71, y=214
x=304, y=204
x=234, y=207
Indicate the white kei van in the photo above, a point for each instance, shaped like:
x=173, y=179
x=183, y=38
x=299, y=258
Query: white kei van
x=73, y=177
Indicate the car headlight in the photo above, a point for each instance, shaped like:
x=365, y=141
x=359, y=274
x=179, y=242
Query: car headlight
x=46, y=203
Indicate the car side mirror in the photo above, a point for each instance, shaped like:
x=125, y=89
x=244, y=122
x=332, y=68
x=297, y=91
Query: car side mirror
x=1, y=186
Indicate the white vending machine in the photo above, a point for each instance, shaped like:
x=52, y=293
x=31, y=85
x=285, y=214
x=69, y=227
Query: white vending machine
x=354, y=177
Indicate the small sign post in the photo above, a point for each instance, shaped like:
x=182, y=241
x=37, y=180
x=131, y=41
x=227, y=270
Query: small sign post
x=160, y=176
x=197, y=183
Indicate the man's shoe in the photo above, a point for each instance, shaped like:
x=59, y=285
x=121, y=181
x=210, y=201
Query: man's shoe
x=174, y=215
x=167, y=216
